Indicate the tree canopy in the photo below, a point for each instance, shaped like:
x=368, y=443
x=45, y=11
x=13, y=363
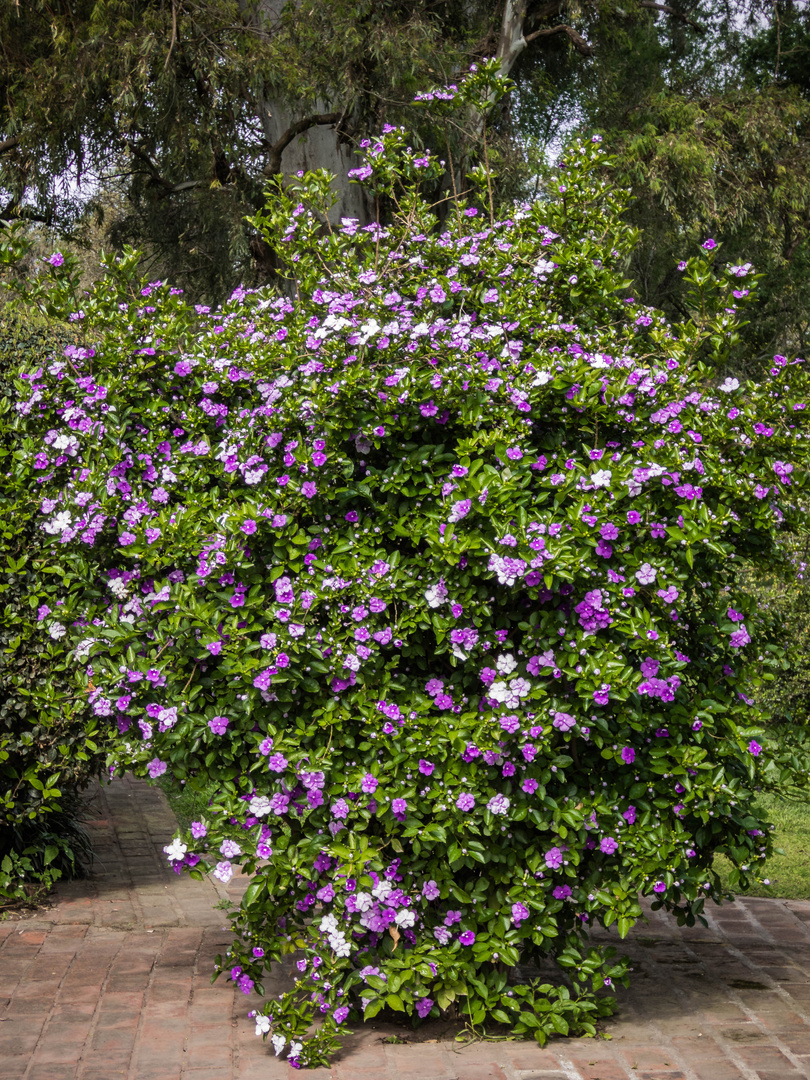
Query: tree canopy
x=159, y=122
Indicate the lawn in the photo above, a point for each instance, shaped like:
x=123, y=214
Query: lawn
x=789, y=874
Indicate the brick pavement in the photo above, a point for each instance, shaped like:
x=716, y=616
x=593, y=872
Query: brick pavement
x=113, y=981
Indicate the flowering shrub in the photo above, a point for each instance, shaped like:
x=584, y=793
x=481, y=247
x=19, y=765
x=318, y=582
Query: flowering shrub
x=47, y=751
x=433, y=569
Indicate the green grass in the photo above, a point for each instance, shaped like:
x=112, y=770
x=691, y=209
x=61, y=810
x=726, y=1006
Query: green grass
x=789, y=874
x=189, y=804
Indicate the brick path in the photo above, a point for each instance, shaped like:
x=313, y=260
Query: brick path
x=114, y=982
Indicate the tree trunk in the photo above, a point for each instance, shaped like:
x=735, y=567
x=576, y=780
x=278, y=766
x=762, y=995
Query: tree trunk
x=320, y=146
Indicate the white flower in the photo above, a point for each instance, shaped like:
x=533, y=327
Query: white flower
x=118, y=587
x=368, y=330
x=436, y=594
x=278, y=1042
x=362, y=901
x=259, y=805
x=506, y=664
x=223, y=871
x=499, y=691
x=58, y=524
x=56, y=630
x=295, y=1049
x=328, y=924
x=381, y=889
x=405, y=918
x=339, y=945
x=729, y=385
x=352, y=662
x=263, y=1026
x=176, y=850
x=83, y=648
x=602, y=478
x=230, y=848
x=543, y=266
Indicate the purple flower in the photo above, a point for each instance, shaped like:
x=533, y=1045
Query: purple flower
x=218, y=724
x=467, y=938
x=423, y=1007
x=554, y=858
x=248, y=527
x=214, y=647
x=399, y=806
x=279, y=803
x=563, y=722
x=708, y=245
x=740, y=637
x=519, y=913
x=198, y=830
x=426, y=767
x=430, y=890
x=56, y=259
x=369, y=784
x=608, y=845
x=156, y=768
x=645, y=574
x=459, y=510
x=628, y=755
x=754, y=748
x=659, y=887
x=562, y=892
x=465, y=801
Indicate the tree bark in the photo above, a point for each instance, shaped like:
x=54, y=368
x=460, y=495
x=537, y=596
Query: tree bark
x=300, y=143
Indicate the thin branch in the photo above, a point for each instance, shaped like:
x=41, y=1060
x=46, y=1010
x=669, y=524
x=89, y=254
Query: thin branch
x=9, y=144
x=174, y=35
x=273, y=165
x=579, y=43
x=167, y=185
x=667, y=10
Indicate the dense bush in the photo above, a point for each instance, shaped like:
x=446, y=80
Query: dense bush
x=432, y=570
x=47, y=753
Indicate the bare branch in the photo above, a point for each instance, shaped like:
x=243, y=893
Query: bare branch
x=667, y=10
x=9, y=144
x=579, y=43
x=273, y=165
